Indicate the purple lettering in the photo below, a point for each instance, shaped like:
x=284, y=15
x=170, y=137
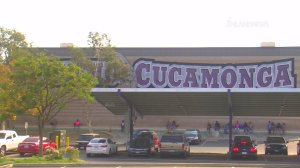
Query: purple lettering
x=246, y=76
x=210, y=79
x=264, y=77
x=282, y=78
x=159, y=76
x=191, y=79
x=142, y=72
x=173, y=76
x=228, y=78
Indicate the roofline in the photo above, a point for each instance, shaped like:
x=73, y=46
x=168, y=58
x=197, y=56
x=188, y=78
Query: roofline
x=198, y=90
x=185, y=51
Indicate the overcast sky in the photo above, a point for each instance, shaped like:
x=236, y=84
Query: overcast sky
x=155, y=23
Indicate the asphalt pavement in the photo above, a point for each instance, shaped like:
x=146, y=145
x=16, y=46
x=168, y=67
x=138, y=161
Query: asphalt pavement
x=212, y=152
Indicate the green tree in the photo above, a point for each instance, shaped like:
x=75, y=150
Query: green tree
x=109, y=68
x=5, y=85
x=12, y=45
x=79, y=58
x=11, y=42
x=47, y=85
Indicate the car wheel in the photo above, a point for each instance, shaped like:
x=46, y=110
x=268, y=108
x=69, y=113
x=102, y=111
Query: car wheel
x=88, y=155
x=2, y=151
x=22, y=154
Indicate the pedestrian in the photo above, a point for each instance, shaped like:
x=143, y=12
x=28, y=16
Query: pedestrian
x=237, y=127
x=246, y=128
x=283, y=128
x=273, y=128
x=251, y=127
x=217, y=126
x=77, y=124
x=269, y=127
x=208, y=127
x=122, y=126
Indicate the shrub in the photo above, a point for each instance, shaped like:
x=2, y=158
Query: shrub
x=53, y=154
x=72, y=153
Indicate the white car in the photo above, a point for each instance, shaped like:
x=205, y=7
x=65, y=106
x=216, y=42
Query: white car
x=101, y=146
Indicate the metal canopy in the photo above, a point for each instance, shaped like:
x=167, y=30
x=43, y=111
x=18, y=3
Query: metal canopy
x=201, y=102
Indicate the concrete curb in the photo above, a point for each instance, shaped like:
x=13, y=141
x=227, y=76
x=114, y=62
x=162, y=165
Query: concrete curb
x=6, y=166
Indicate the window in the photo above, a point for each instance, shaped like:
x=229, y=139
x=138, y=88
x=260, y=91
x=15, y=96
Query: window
x=46, y=140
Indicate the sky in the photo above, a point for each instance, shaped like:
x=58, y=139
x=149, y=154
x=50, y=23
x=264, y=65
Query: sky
x=155, y=23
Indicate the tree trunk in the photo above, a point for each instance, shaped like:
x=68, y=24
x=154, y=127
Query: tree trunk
x=88, y=117
x=41, y=128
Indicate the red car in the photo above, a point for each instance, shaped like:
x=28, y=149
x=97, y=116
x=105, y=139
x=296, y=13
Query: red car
x=31, y=145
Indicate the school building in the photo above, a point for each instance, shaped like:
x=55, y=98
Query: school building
x=209, y=68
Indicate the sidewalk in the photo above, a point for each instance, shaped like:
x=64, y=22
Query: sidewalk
x=122, y=137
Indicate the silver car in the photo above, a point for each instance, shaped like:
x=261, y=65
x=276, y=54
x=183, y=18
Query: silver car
x=174, y=143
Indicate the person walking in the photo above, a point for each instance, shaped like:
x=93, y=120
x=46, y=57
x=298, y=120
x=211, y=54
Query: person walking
x=122, y=126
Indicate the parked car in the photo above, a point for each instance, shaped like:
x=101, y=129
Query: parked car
x=174, y=143
x=84, y=139
x=193, y=136
x=31, y=145
x=101, y=146
x=276, y=145
x=146, y=132
x=141, y=146
x=243, y=147
x=9, y=140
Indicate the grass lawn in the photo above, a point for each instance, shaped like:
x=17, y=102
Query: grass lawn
x=37, y=160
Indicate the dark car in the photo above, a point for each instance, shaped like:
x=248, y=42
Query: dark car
x=148, y=133
x=141, y=146
x=84, y=139
x=243, y=147
x=193, y=136
x=276, y=145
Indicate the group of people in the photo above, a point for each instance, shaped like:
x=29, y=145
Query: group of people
x=237, y=127
x=276, y=128
x=217, y=126
x=245, y=127
x=171, y=126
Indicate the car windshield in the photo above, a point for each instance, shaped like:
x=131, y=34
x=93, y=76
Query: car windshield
x=191, y=133
x=142, y=134
x=98, y=141
x=140, y=143
x=275, y=140
x=31, y=139
x=85, y=137
x=2, y=135
x=172, y=138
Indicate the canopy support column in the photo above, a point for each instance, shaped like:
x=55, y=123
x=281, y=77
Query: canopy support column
x=131, y=114
x=230, y=118
x=130, y=123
